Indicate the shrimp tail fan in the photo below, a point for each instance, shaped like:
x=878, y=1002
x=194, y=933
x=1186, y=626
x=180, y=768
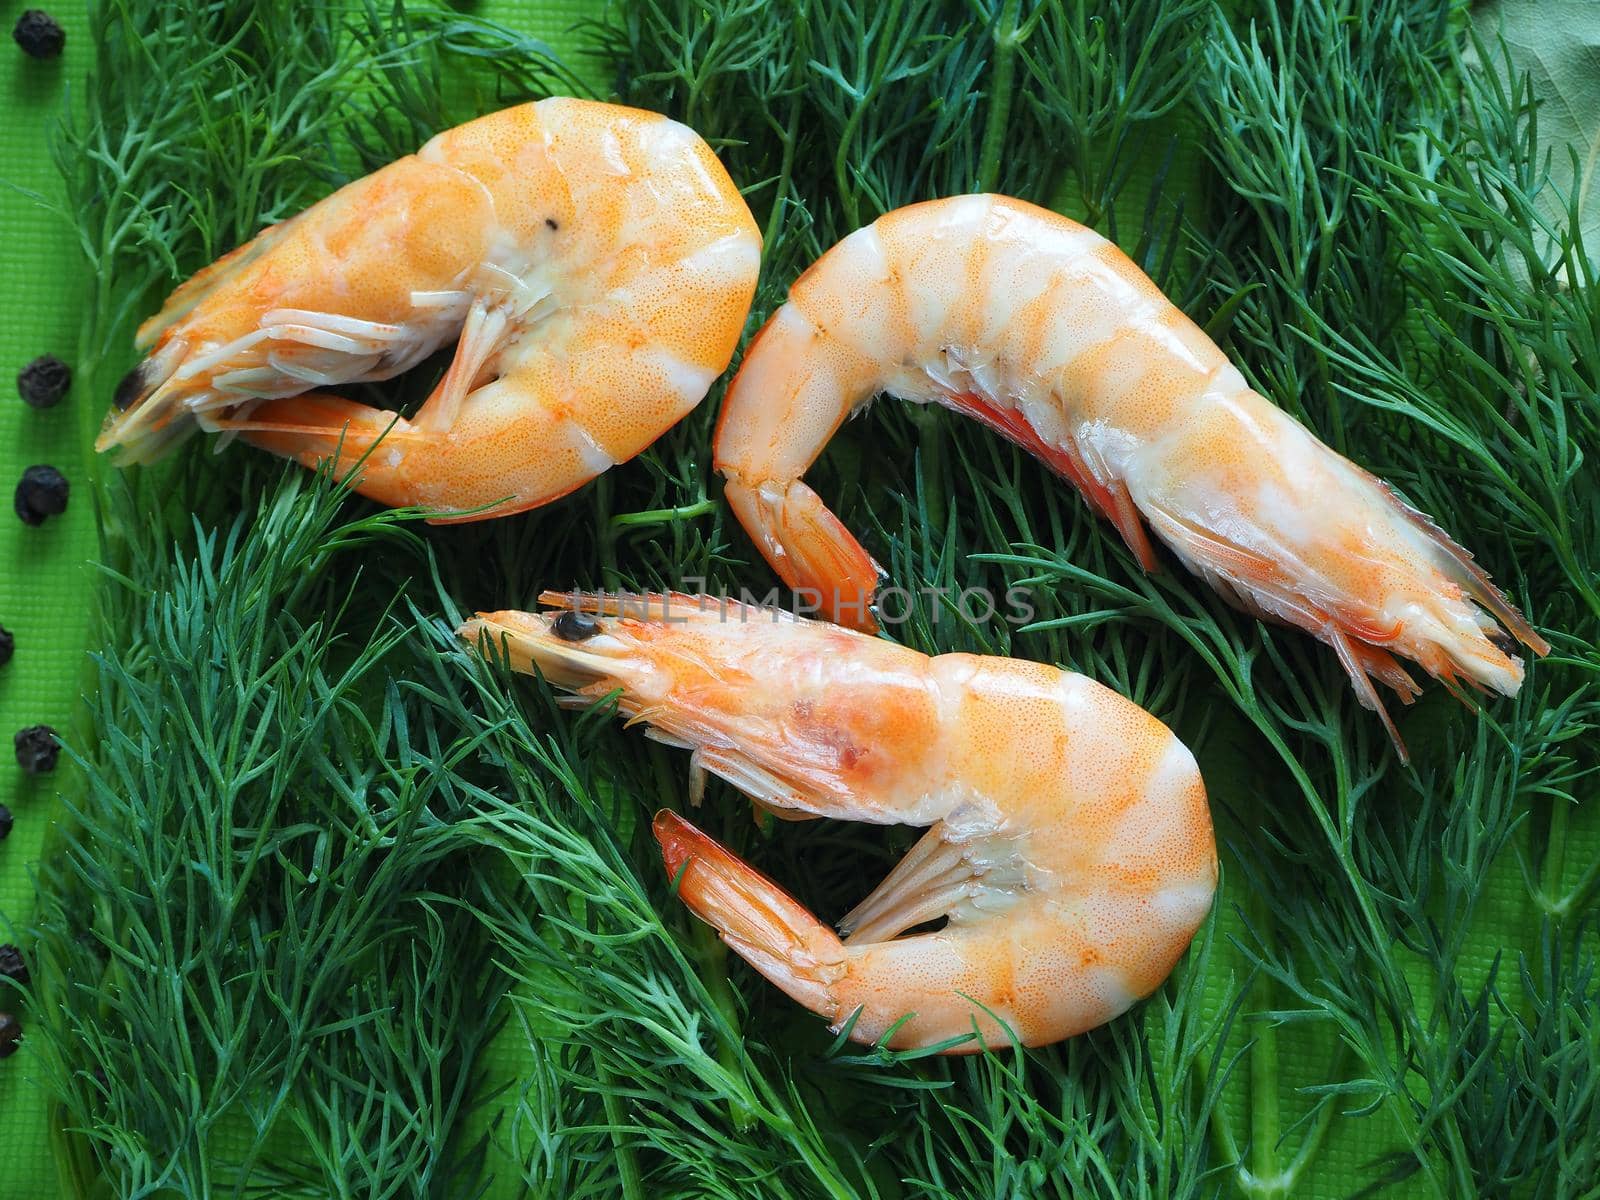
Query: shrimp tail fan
x=762, y=923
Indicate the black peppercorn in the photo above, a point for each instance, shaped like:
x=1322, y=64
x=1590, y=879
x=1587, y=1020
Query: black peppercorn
x=12, y=966
x=10, y=1034
x=44, y=381
x=38, y=34
x=8, y=645
x=41, y=493
x=6, y=822
x=37, y=749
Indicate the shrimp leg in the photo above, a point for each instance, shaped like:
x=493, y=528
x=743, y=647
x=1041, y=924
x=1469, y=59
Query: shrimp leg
x=482, y=337
x=316, y=427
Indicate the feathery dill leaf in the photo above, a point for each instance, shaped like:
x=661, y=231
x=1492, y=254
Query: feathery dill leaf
x=1375, y=220
x=239, y=930
x=235, y=926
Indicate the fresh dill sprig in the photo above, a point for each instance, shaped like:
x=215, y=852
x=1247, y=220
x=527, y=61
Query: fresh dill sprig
x=1377, y=223
x=241, y=934
x=250, y=992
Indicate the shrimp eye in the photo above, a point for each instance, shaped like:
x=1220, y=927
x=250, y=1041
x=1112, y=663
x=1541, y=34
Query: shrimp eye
x=130, y=389
x=572, y=626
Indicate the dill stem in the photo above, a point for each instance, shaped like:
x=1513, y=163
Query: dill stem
x=847, y=136
x=712, y=955
x=1339, y=840
x=88, y=358
x=628, y=1173
x=1579, y=895
x=662, y=516
x=1005, y=65
x=1319, y=1131
x=84, y=371
x=606, y=534
x=769, y=236
x=1555, y=857
x=1550, y=898
x=930, y=451
x=1264, y=1124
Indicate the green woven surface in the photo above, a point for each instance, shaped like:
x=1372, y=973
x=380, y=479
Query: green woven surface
x=45, y=577
x=45, y=572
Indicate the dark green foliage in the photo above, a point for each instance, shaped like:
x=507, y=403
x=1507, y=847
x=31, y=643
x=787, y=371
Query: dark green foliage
x=326, y=855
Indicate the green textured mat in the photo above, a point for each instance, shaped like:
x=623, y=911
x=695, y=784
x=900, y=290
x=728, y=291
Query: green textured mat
x=47, y=574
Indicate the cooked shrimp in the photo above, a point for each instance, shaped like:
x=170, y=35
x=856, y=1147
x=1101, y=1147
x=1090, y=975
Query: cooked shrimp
x=1069, y=841
x=1050, y=335
x=595, y=262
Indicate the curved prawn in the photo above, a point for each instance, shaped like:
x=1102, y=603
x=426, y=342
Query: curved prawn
x=594, y=265
x=1049, y=334
x=1069, y=842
